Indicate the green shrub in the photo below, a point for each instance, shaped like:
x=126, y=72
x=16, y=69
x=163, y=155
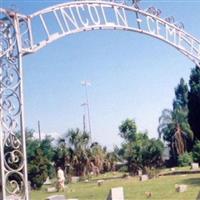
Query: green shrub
x=196, y=152
x=153, y=172
x=185, y=159
x=123, y=168
x=37, y=169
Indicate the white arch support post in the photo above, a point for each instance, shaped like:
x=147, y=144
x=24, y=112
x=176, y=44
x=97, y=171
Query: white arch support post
x=17, y=39
x=12, y=135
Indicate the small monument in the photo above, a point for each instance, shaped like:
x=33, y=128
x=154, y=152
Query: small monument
x=116, y=194
x=139, y=172
x=148, y=194
x=172, y=169
x=100, y=182
x=51, y=189
x=47, y=182
x=75, y=179
x=144, y=177
x=194, y=166
x=198, y=196
x=181, y=188
x=56, y=197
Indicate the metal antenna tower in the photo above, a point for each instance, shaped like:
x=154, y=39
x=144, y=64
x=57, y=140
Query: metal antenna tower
x=86, y=84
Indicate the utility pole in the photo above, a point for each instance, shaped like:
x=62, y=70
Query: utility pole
x=39, y=132
x=86, y=84
x=84, y=113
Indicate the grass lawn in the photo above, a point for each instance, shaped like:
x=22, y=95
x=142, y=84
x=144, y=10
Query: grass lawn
x=162, y=188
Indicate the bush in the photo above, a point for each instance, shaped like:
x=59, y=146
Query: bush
x=185, y=159
x=153, y=172
x=196, y=152
x=123, y=168
x=37, y=169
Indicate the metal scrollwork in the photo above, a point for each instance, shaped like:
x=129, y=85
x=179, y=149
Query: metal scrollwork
x=154, y=11
x=170, y=19
x=11, y=110
x=17, y=40
x=24, y=33
x=15, y=185
x=180, y=25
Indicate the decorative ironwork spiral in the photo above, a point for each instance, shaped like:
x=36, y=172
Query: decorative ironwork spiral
x=24, y=33
x=15, y=185
x=170, y=19
x=180, y=25
x=154, y=11
x=10, y=105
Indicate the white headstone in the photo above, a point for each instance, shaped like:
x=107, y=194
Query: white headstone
x=75, y=179
x=195, y=165
x=56, y=197
x=116, y=194
x=51, y=189
x=72, y=199
x=100, y=182
x=172, y=169
x=139, y=172
x=47, y=182
x=181, y=188
x=144, y=177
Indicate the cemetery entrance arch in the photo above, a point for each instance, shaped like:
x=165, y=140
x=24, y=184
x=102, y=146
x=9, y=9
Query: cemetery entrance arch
x=19, y=38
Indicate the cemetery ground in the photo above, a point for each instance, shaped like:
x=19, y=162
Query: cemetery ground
x=161, y=188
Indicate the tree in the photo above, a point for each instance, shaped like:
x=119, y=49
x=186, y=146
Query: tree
x=152, y=152
x=194, y=101
x=138, y=150
x=128, y=130
x=173, y=124
x=39, y=156
x=196, y=152
x=63, y=155
x=175, y=130
x=49, y=151
x=37, y=168
x=78, y=143
x=181, y=96
x=97, y=157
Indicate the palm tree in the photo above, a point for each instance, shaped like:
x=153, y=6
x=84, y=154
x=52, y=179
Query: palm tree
x=78, y=143
x=77, y=139
x=97, y=157
x=174, y=128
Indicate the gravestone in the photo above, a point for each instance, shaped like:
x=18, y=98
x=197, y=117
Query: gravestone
x=139, y=172
x=195, y=166
x=100, y=182
x=144, y=177
x=72, y=199
x=75, y=179
x=56, y=197
x=181, y=188
x=51, y=189
x=116, y=194
x=47, y=182
x=198, y=196
x=148, y=194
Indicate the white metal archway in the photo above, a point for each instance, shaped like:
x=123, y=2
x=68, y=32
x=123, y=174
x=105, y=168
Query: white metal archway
x=18, y=38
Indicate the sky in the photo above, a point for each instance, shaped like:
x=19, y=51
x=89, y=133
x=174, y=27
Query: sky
x=132, y=75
